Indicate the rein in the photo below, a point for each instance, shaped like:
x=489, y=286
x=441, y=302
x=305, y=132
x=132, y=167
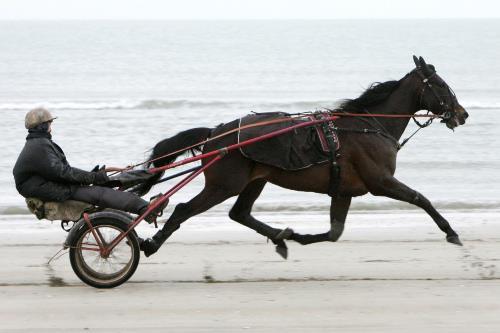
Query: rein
x=298, y=116
x=420, y=126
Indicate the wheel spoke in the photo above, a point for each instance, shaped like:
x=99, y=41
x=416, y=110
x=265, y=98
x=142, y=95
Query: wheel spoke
x=112, y=269
x=118, y=259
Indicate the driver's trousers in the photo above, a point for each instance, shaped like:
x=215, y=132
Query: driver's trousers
x=106, y=197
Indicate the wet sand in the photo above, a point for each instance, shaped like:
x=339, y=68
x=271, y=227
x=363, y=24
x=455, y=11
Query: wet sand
x=378, y=278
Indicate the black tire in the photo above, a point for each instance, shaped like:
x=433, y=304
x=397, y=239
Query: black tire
x=81, y=259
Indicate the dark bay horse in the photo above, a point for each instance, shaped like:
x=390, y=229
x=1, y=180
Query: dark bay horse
x=367, y=162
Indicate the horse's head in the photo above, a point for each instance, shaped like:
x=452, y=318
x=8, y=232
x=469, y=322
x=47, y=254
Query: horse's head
x=436, y=96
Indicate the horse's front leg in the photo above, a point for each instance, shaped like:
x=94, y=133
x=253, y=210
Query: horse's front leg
x=338, y=213
x=393, y=188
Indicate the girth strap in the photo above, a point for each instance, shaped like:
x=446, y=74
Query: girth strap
x=328, y=129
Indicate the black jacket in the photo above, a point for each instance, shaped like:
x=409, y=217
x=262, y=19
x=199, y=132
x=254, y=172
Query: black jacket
x=41, y=171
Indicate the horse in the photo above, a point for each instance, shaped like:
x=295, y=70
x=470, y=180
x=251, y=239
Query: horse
x=367, y=161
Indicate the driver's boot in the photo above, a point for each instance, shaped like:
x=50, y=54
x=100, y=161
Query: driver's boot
x=151, y=245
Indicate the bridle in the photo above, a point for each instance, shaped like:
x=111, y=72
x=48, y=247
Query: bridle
x=447, y=110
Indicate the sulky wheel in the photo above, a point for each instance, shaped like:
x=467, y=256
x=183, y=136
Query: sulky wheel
x=104, y=271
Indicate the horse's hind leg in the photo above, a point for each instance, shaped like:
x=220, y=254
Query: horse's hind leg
x=206, y=199
x=338, y=213
x=241, y=214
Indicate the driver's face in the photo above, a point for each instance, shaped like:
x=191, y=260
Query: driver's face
x=50, y=127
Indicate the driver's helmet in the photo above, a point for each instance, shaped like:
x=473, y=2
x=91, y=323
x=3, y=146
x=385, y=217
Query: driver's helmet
x=36, y=117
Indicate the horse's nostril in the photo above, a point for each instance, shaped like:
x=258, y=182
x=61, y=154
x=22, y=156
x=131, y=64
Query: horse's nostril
x=466, y=115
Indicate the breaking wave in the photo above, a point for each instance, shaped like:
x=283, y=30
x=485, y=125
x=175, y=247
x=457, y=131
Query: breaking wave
x=310, y=208
x=154, y=104
x=165, y=104
x=378, y=206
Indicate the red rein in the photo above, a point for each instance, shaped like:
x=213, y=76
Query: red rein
x=225, y=150
x=378, y=115
x=280, y=120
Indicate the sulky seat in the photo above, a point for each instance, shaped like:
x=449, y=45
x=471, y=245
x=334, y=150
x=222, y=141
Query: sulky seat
x=69, y=210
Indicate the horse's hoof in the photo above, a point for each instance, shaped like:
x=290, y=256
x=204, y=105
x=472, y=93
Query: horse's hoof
x=149, y=247
x=284, y=234
x=282, y=251
x=454, y=240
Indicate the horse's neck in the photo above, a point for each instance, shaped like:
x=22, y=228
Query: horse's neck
x=401, y=102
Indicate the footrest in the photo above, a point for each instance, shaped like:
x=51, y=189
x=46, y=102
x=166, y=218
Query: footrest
x=158, y=211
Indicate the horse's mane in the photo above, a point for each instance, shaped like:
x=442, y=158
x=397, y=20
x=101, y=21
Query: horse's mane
x=375, y=94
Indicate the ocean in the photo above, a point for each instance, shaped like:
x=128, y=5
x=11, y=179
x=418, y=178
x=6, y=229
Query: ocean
x=118, y=87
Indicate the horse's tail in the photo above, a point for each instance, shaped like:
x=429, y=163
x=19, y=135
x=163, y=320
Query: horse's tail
x=175, y=145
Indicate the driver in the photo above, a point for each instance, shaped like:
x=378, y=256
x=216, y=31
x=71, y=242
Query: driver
x=42, y=172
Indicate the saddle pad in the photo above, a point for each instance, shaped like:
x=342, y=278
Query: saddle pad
x=295, y=150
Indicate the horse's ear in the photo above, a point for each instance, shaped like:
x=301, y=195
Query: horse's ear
x=429, y=69
x=422, y=62
x=415, y=60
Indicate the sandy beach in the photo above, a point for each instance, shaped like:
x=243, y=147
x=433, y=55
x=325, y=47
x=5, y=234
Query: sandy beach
x=395, y=276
